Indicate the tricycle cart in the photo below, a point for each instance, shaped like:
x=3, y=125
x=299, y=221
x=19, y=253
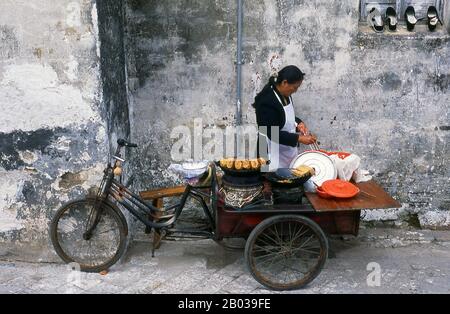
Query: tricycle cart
x=286, y=244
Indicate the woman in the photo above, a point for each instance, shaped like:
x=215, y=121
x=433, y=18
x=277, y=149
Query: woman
x=275, y=108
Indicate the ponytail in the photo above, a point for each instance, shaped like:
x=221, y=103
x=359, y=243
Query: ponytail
x=267, y=87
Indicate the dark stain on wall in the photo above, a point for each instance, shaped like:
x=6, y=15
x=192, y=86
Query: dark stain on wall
x=29, y=193
x=389, y=81
x=111, y=32
x=69, y=180
x=440, y=82
x=13, y=143
x=9, y=45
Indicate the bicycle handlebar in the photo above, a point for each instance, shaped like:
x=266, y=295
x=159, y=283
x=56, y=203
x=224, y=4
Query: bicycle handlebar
x=122, y=142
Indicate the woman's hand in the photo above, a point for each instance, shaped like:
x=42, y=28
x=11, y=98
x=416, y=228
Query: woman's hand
x=307, y=139
x=301, y=128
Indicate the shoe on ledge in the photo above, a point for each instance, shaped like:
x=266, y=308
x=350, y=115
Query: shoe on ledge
x=375, y=20
x=433, y=18
x=391, y=19
x=410, y=17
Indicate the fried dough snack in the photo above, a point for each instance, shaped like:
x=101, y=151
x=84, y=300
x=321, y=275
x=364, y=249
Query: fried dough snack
x=302, y=171
x=242, y=164
x=223, y=163
x=229, y=164
x=246, y=165
x=238, y=165
x=262, y=161
x=255, y=164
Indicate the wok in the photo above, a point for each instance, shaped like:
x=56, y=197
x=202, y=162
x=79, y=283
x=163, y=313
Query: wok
x=286, y=179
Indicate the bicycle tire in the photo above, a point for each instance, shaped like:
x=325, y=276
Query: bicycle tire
x=61, y=238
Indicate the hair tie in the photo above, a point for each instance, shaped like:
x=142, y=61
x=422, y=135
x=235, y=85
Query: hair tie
x=275, y=77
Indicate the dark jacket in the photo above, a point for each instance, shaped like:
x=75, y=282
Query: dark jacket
x=269, y=112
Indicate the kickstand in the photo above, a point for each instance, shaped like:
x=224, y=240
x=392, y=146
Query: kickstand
x=157, y=238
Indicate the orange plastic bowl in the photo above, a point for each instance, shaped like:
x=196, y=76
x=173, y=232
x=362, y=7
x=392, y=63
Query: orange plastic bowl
x=323, y=194
x=340, y=189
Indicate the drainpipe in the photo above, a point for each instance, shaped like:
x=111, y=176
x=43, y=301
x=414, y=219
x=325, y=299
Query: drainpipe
x=239, y=62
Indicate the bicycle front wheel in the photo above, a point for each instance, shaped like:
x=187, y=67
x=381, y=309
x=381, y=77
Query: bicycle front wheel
x=89, y=233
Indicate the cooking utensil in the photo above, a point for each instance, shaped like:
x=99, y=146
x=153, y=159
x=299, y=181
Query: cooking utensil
x=314, y=146
x=368, y=194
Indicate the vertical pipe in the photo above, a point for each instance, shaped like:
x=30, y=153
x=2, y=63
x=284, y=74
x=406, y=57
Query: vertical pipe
x=239, y=62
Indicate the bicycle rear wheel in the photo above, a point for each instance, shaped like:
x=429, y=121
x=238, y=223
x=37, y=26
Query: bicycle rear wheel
x=286, y=252
x=94, y=251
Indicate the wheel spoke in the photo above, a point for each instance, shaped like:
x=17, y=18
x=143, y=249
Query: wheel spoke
x=90, y=211
x=297, y=232
x=266, y=259
x=307, y=241
x=270, y=254
x=263, y=249
x=272, y=260
x=268, y=237
x=299, y=235
x=277, y=235
x=296, y=270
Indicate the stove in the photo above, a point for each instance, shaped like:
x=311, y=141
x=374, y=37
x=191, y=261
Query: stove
x=290, y=196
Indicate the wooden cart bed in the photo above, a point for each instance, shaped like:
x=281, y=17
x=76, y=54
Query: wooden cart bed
x=333, y=215
x=372, y=196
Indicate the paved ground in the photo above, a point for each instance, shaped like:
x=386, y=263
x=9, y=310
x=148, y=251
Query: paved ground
x=410, y=262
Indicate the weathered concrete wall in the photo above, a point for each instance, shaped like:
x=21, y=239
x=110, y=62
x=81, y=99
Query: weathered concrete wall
x=384, y=97
x=53, y=131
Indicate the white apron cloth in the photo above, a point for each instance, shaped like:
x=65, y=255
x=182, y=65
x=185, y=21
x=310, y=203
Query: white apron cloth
x=283, y=156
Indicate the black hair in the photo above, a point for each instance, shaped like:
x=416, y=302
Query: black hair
x=291, y=74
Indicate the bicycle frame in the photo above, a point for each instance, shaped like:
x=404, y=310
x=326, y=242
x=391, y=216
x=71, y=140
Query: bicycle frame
x=145, y=212
x=142, y=210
